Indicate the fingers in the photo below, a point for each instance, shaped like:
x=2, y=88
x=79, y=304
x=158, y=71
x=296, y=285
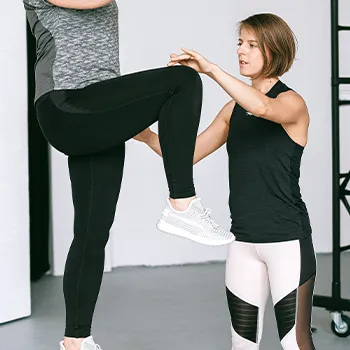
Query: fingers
x=191, y=52
x=181, y=60
x=181, y=57
x=182, y=63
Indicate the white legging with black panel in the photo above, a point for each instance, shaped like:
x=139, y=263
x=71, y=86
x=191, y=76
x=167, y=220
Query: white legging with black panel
x=287, y=270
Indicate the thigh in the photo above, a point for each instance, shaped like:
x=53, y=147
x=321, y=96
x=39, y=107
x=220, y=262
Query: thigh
x=96, y=182
x=289, y=264
x=129, y=88
x=247, y=290
x=291, y=270
x=106, y=114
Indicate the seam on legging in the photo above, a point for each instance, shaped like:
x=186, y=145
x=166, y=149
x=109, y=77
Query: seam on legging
x=165, y=148
x=257, y=252
x=84, y=111
x=312, y=275
x=86, y=238
x=297, y=300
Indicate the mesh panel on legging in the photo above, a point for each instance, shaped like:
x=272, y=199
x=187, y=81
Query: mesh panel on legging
x=304, y=311
x=285, y=313
x=244, y=317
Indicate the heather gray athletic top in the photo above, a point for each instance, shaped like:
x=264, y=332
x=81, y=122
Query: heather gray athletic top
x=75, y=48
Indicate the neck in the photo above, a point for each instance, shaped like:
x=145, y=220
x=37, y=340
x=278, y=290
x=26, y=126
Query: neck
x=264, y=84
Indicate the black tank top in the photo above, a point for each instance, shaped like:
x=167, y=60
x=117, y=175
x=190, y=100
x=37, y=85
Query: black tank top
x=264, y=168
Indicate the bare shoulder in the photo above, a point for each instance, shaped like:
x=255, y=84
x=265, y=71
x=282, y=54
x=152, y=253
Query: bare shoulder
x=294, y=101
x=297, y=130
x=291, y=97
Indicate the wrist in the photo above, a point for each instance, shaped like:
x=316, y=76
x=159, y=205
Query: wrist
x=214, y=69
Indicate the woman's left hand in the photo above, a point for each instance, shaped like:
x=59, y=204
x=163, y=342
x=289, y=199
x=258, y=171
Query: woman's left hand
x=192, y=59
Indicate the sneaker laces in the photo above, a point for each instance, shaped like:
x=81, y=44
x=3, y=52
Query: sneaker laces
x=98, y=347
x=205, y=217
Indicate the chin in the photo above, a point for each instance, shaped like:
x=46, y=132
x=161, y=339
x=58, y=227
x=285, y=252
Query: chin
x=246, y=74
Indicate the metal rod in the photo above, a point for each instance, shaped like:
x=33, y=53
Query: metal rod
x=346, y=204
x=331, y=304
x=335, y=148
x=344, y=80
x=343, y=28
x=346, y=247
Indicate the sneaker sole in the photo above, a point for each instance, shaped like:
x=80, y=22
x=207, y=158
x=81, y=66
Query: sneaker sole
x=171, y=229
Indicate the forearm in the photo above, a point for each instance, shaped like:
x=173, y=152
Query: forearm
x=249, y=98
x=200, y=152
x=154, y=144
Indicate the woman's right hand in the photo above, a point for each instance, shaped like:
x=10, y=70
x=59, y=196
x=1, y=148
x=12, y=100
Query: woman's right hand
x=144, y=136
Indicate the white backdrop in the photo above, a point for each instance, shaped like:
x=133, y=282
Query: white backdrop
x=149, y=32
x=14, y=216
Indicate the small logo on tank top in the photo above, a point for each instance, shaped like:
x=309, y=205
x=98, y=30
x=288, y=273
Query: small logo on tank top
x=248, y=113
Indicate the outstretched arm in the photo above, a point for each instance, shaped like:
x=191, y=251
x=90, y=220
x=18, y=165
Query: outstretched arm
x=211, y=139
x=287, y=108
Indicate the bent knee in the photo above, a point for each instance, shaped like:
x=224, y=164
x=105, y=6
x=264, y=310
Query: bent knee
x=187, y=74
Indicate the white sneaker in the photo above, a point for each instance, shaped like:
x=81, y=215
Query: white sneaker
x=194, y=223
x=87, y=344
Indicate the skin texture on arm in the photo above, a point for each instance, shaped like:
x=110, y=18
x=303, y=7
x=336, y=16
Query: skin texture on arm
x=287, y=108
x=80, y=4
x=211, y=139
x=215, y=135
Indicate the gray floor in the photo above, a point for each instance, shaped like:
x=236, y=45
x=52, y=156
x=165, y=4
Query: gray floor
x=172, y=308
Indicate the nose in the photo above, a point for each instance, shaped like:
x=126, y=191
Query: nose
x=240, y=50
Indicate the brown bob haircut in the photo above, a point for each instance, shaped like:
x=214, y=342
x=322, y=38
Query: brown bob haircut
x=276, y=41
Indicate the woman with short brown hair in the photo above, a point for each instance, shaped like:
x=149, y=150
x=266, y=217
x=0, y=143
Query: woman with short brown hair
x=265, y=128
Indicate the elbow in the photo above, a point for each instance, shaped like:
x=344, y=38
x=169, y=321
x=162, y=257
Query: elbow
x=262, y=110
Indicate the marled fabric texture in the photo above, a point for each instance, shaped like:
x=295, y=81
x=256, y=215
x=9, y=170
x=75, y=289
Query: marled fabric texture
x=75, y=48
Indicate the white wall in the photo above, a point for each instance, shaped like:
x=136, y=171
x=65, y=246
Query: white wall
x=149, y=32
x=14, y=216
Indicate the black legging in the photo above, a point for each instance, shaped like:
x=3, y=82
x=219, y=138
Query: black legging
x=91, y=126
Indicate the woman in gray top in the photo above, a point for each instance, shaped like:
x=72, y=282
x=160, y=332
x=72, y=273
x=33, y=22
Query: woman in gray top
x=87, y=111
